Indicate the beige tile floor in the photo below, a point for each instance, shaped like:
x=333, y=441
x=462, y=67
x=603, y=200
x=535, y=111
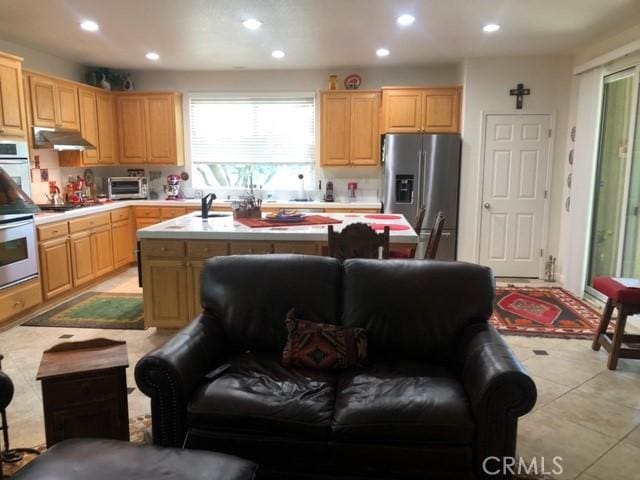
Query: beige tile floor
x=585, y=413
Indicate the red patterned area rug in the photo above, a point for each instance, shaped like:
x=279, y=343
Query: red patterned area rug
x=543, y=312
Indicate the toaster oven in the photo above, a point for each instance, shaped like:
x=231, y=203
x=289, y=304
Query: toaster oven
x=122, y=188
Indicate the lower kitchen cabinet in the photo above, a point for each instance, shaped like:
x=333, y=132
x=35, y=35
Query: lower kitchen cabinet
x=166, y=299
x=194, y=272
x=102, y=250
x=81, y=258
x=16, y=299
x=55, y=267
x=123, y=243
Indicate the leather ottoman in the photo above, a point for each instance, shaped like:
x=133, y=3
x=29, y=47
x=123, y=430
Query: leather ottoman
x=93, y=459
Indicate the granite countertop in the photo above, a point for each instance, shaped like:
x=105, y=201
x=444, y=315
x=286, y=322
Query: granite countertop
x=50, y=217
x=192, y=227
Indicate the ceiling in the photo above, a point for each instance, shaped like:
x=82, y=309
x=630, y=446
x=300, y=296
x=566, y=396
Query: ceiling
x=208, y=34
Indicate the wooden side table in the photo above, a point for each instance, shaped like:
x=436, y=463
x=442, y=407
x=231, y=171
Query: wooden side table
x=84, y=390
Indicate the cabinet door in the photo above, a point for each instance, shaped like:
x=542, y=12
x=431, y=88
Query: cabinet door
x=194, y=273
x=131, y=129
x=166, y=302
x=402, y=110
x=123, y=249
x=43, y=101
x=82, y=265
x=161, y=129
x=102, y=250
x=334, y=133
x=106, y=112
x=89, y=125
x=55, y=267
x=441, y=110
x=364, y=132
x=146, y=222
x=12, y=115
x=68, y=112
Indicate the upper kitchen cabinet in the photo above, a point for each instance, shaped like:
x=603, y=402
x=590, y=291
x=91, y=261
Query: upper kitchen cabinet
x=13, y=121
x=97, y=126
x=349, y=132
x=54, y=103
x=107, y=131
x=421, y=110
x=150, y=128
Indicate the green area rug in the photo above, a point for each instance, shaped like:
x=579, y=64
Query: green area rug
x=95, y=310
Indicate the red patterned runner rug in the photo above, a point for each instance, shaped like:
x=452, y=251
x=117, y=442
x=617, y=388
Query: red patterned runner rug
x=543, y=312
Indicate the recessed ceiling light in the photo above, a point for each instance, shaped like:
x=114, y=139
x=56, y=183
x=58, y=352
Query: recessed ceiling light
x=277, y=54
x=491, y=27
x=406, y=19
x=382, y=52
x=252, y=23
x=152, y=56
x=89, y=26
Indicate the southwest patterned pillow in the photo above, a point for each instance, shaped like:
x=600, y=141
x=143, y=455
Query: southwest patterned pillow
x=322, y=345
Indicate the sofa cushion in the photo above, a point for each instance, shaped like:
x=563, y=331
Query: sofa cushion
x=323, y=345
x=415, y=310
x=258, y=395
x=250, y=296
x=401, y=402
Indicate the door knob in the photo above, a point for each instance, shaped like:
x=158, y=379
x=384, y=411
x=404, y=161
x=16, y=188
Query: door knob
x=487, y=205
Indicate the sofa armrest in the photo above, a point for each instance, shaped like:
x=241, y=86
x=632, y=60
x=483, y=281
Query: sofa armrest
x=499, y=390
x=170, y=373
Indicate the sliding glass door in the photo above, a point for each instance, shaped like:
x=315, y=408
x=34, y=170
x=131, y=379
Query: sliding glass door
x=615, y=234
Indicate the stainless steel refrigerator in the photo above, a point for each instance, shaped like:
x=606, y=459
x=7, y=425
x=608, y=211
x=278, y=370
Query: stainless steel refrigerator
x=424, y=169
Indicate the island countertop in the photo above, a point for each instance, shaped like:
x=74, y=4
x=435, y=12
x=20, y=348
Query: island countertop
x=192, y=227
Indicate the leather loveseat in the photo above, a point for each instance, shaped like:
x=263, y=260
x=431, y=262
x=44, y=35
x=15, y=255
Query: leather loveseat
x=441, y=392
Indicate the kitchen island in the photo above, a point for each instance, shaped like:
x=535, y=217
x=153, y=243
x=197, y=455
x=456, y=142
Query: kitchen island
x=173, y=254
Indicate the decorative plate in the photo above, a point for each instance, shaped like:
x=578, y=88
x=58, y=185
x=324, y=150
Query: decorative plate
x=352, y=82
x=184, y=176
x=88, y=177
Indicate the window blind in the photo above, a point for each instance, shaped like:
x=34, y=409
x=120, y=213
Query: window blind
x=252, y=130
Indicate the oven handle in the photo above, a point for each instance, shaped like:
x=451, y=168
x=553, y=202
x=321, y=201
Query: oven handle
x=13, y=225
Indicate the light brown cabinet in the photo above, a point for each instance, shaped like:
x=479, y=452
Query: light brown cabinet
x=13, y=122
x=89, y=125
x=107, y=132
x=15, y=300
x=150, y=128
x=415, y=110
x=166, y=301
x=349, y=133
x=55, y=265
x=102, y=250
x=82, y=266
x=122, y=237
x=54, y=103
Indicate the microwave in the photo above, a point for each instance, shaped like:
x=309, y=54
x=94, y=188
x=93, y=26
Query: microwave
x=122, y=188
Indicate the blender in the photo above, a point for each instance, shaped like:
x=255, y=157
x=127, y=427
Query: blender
x=172, y=189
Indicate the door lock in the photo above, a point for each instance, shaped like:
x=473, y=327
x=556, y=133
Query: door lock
x=487, y=205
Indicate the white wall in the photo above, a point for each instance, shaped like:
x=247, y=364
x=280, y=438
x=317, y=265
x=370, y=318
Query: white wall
x=45, y=62
x=486, y=89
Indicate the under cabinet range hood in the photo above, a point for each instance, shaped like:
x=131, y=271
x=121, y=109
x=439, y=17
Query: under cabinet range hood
x=60, y=139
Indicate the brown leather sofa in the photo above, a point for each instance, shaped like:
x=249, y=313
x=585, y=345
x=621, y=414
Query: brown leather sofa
x=441, y=393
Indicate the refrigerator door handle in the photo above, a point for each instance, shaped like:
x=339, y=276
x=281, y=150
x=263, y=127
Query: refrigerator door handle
x=419, y=183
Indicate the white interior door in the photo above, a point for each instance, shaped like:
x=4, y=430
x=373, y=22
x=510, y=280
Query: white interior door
x=516, y=152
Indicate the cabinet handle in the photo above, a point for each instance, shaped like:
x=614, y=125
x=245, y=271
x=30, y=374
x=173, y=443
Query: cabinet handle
x=1, y=130
x=250, y=250
x=18, y=303
x=163, y=249
x=54, y=232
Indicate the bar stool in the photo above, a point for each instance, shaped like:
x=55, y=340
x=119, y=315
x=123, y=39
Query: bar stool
x=627, y=301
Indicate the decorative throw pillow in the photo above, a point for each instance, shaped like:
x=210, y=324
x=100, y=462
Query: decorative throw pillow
x=322, y=345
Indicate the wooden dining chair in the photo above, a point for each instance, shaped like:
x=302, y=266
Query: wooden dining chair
x=358, y=240
x=410, y=252
x=434, y=239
